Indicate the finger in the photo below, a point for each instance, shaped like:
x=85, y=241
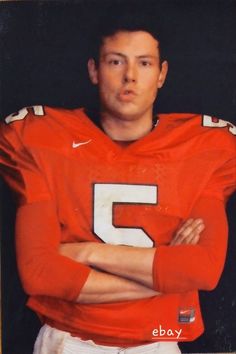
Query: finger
x=195, y=227
x=194, y=240
x=186, y=228
x=191, y=223
x=189, y=228
x=194, y=237
x=182, y=231
x=185, y=237
x=185, y=224
x=188, y=231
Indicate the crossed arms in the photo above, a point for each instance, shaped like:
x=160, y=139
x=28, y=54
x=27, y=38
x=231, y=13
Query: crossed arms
x=128, y=263
x=94, y=273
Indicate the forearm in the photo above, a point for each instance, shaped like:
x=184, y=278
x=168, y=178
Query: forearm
x=129, y=262
x=134, y=263
x=173, y=268
x=195, y=267
x=102, y=287
x=43, y=271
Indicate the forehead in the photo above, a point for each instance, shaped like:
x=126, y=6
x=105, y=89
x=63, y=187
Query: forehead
x=136, y=43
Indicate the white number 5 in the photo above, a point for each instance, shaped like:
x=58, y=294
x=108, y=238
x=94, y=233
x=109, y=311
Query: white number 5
x=105, y=196
x=37, y=110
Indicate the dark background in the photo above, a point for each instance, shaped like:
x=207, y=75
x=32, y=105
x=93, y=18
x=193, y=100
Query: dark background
x=44, y=50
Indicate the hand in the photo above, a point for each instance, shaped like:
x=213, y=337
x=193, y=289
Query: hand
x=189, y=233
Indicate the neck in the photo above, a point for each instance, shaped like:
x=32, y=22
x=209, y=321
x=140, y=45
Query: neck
x=124, y=129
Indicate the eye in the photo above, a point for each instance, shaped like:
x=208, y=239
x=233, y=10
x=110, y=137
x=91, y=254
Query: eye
x=146, y=63
x=115, y=62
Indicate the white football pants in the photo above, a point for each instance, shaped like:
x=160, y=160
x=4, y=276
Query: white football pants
x=54, y=341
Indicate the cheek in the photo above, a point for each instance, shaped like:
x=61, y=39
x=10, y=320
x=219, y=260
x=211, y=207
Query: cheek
x=107, y=88
x=150, y=79
x=109, y=80
x=151, y=87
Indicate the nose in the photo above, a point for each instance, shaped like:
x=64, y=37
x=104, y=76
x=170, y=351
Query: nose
x=130, y=74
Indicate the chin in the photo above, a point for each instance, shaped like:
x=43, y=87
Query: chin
x=127, y=113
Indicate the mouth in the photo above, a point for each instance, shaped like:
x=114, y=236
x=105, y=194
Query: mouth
x=126, y=95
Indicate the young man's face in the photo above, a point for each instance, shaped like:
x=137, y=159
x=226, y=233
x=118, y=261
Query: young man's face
x=129, y=74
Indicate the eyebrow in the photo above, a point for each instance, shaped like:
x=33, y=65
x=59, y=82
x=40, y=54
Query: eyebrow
x=125, y=56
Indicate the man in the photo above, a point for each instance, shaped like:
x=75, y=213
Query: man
x=89, y=189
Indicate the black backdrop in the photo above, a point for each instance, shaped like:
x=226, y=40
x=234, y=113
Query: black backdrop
x=43, y=61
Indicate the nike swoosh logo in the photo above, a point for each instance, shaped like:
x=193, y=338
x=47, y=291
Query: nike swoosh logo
x=185, y=311
x=75, y=145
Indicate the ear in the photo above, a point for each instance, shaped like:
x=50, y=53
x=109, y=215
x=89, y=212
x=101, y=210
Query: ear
x=92, y=70
x=163, y=74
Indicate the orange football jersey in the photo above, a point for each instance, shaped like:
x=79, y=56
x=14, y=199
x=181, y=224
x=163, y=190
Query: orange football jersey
x=136, y=195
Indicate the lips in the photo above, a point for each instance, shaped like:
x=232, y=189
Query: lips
x=126, y=95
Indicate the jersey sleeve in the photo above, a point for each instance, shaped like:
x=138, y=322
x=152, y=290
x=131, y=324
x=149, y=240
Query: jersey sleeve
x=223, y=181
x=43, y=271
x=18, y=168
x=195, y=267
x=220, y=143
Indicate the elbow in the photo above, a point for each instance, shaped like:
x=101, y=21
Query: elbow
x=209, y=281
x=37, y=277
x=58, y=277
x=32, y=282
x=30, y=288
x=201, y=271
x=211, y=271
x=209, y=285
